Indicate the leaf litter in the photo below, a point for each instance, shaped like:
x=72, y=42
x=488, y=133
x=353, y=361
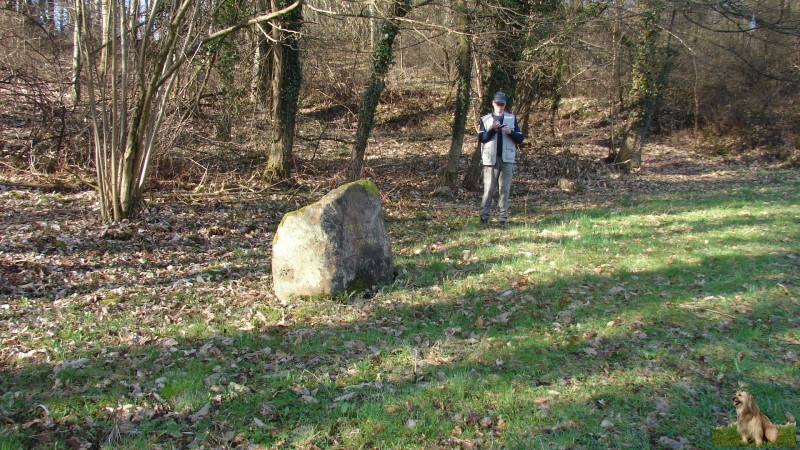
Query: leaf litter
x=203, y=262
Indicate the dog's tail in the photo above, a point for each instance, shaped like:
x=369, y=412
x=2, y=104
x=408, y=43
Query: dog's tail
x=771, y=433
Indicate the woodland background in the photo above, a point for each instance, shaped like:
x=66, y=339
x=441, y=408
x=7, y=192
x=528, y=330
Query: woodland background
x=133, y=96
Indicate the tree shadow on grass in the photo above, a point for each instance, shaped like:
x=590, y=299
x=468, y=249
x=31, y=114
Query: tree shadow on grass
x=574, y=360
x=586, y=358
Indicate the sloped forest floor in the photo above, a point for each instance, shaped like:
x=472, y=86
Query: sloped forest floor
x=55, y=247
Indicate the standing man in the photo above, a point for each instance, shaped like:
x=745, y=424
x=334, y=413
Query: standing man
x=499, y=136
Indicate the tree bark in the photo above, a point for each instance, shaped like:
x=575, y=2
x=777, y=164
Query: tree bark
x=652, y=64
x=463, y=93
x=289, y=77
x=77, y=13
x=263, y=69
x=381, y=61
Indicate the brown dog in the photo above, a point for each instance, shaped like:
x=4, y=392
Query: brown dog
x=752, y=424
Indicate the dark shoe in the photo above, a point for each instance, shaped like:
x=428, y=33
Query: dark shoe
x=503, y=224
x=484, y=221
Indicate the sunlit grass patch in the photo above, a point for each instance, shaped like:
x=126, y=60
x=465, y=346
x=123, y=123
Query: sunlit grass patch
x=728, y=437
x=10, y=443
x=627, y=326
x=186, y=391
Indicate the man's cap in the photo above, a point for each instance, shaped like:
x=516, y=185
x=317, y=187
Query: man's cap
x=499, y=97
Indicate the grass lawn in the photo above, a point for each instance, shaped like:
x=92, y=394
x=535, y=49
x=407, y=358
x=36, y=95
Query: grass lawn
x=728, y=437
x=624, y=325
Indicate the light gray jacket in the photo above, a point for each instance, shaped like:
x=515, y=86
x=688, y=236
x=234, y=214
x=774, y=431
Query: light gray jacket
x=488, y=139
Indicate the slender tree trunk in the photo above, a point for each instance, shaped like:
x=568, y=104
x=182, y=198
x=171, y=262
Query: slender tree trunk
x=642, y=96
x=224, y=56
x=652, y=64
x=263, y=66
x=76, y=54
x=263, y=69
x=463, y=93
x=289, y=77
x=130, y=84
x=382, y=60
x=106, y=16
x=472, y=176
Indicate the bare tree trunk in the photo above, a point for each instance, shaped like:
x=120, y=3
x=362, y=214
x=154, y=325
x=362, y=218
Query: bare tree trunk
x=472, y=176
x=263, y=64
x=106, y=15
x=288, y=76
x=76, y=54
x=651, y=67
x=463, y=93
x=382, y=59
x=263, y=69
x=129, y=86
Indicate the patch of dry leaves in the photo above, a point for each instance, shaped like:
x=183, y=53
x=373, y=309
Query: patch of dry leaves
x=54, y=249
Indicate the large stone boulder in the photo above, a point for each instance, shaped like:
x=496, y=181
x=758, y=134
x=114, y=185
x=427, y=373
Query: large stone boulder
x=336, y=245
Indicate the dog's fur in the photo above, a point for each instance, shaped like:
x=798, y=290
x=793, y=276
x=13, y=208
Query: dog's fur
x=752, y=424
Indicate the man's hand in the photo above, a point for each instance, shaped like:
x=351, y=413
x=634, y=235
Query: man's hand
x=506, y=129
